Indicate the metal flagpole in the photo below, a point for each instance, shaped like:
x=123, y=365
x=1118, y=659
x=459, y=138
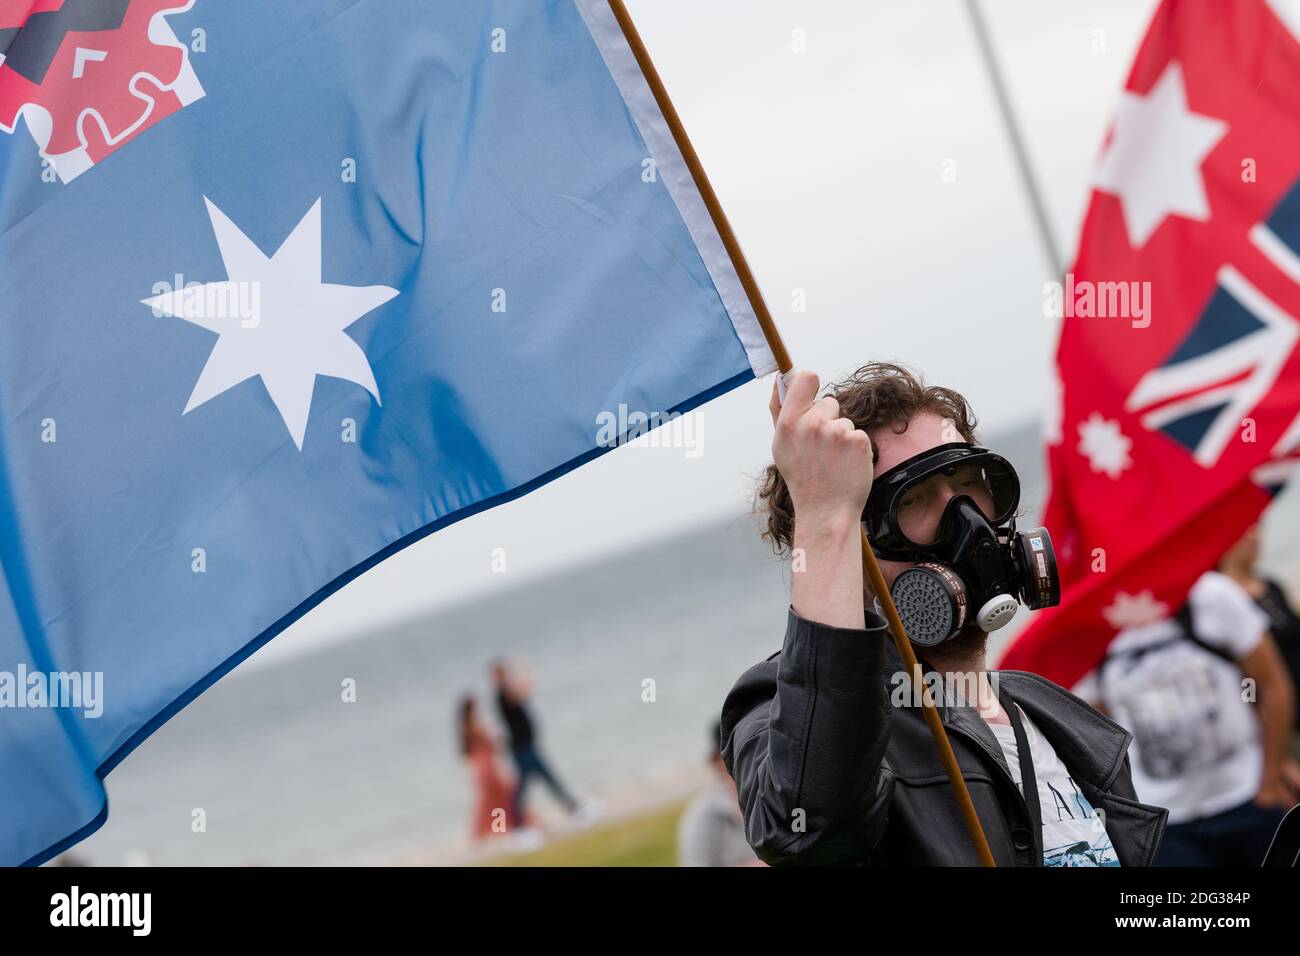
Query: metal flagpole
x=1038, y=207
x=785, y=366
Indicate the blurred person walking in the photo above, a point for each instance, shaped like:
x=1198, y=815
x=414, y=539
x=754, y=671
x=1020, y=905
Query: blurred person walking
x=513, y=691
x=711, y=831
x=494, y=810
x=1186, y=687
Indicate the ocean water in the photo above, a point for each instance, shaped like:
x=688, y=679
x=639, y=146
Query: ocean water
x=286, y=772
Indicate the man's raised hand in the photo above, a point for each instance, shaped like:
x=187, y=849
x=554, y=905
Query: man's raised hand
x=824, y=459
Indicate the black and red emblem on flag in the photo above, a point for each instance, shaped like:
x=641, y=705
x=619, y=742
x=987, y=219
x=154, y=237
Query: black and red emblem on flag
x=86, y=76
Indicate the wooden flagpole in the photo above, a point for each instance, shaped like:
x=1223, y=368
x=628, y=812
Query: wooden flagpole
x=784, y=366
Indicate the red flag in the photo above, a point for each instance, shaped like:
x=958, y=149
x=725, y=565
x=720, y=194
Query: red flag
x=1178, y=361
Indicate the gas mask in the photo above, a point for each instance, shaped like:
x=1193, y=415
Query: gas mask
x=952, y=510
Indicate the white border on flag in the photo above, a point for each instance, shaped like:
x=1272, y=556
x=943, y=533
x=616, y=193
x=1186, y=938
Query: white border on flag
x=640, y=101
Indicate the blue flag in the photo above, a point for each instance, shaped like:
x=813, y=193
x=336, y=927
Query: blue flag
x=283, y=288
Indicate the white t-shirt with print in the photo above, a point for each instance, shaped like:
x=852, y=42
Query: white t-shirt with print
x=1196, y=743
x=1073, y=833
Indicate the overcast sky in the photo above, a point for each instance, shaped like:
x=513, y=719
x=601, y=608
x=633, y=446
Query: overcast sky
x=830, y=163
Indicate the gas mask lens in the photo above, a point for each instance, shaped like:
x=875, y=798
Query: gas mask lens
x=920, y=506
x=905, y=511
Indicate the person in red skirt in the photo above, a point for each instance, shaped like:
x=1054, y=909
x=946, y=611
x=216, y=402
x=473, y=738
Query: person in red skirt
x=494, y=787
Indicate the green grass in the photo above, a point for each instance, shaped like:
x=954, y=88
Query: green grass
x=647, y=840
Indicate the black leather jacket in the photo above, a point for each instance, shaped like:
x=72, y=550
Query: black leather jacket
x=812, y=729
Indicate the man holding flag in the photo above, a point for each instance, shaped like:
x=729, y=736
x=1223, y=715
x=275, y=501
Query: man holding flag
x=826, y=741
x=1177, y=423
x=276, y=281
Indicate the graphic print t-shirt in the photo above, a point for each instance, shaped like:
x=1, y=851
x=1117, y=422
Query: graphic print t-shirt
x=1073, y=833
x=1196, y=742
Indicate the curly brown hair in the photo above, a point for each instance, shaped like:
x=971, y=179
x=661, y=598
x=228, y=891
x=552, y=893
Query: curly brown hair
x=877, y=394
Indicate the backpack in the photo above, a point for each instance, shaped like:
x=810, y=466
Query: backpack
x=1176, y=716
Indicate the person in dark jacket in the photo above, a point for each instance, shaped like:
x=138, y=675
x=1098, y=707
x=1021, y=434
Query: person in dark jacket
x=512, y=704
x=830, y=752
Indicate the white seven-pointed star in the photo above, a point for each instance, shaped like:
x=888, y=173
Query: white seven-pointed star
x=1154, y=161
x=276, y=319
x=1104, y=445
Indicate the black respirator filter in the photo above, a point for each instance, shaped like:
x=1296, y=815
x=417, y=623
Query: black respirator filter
x=931, y=602
x=1034, y=568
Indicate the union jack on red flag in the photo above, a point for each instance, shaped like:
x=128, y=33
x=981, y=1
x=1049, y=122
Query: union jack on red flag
x=1174, y=430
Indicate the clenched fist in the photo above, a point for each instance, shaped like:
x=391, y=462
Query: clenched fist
x=824, y=459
